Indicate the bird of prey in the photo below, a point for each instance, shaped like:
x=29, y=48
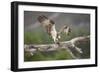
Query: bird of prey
x=49, y=25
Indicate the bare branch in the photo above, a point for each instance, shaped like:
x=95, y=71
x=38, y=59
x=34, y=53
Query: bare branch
x=67, y=45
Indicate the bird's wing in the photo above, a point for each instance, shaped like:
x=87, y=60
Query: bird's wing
x=65, y=29
x=61, y=30
x=46, y=23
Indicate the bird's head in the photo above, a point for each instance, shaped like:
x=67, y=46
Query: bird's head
x=67, y=30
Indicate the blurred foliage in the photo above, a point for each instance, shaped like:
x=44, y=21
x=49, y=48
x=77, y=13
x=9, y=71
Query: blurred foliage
x=40, y=56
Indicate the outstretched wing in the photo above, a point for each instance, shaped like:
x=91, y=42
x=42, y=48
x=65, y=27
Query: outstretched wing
x=45, y=20
x=65, y=29
x=46, y=23
x=42, y=18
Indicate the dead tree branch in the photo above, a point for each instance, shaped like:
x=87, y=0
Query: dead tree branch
x=70, y=46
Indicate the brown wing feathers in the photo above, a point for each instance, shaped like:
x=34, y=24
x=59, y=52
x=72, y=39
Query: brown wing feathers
x=48, y=25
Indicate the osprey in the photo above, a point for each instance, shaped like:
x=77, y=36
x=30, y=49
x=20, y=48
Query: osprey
x=49, y=25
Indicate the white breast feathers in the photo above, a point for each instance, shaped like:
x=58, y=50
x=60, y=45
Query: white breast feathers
x=54, y=33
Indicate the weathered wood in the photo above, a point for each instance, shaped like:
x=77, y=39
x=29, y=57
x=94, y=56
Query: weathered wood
x=70, y=46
